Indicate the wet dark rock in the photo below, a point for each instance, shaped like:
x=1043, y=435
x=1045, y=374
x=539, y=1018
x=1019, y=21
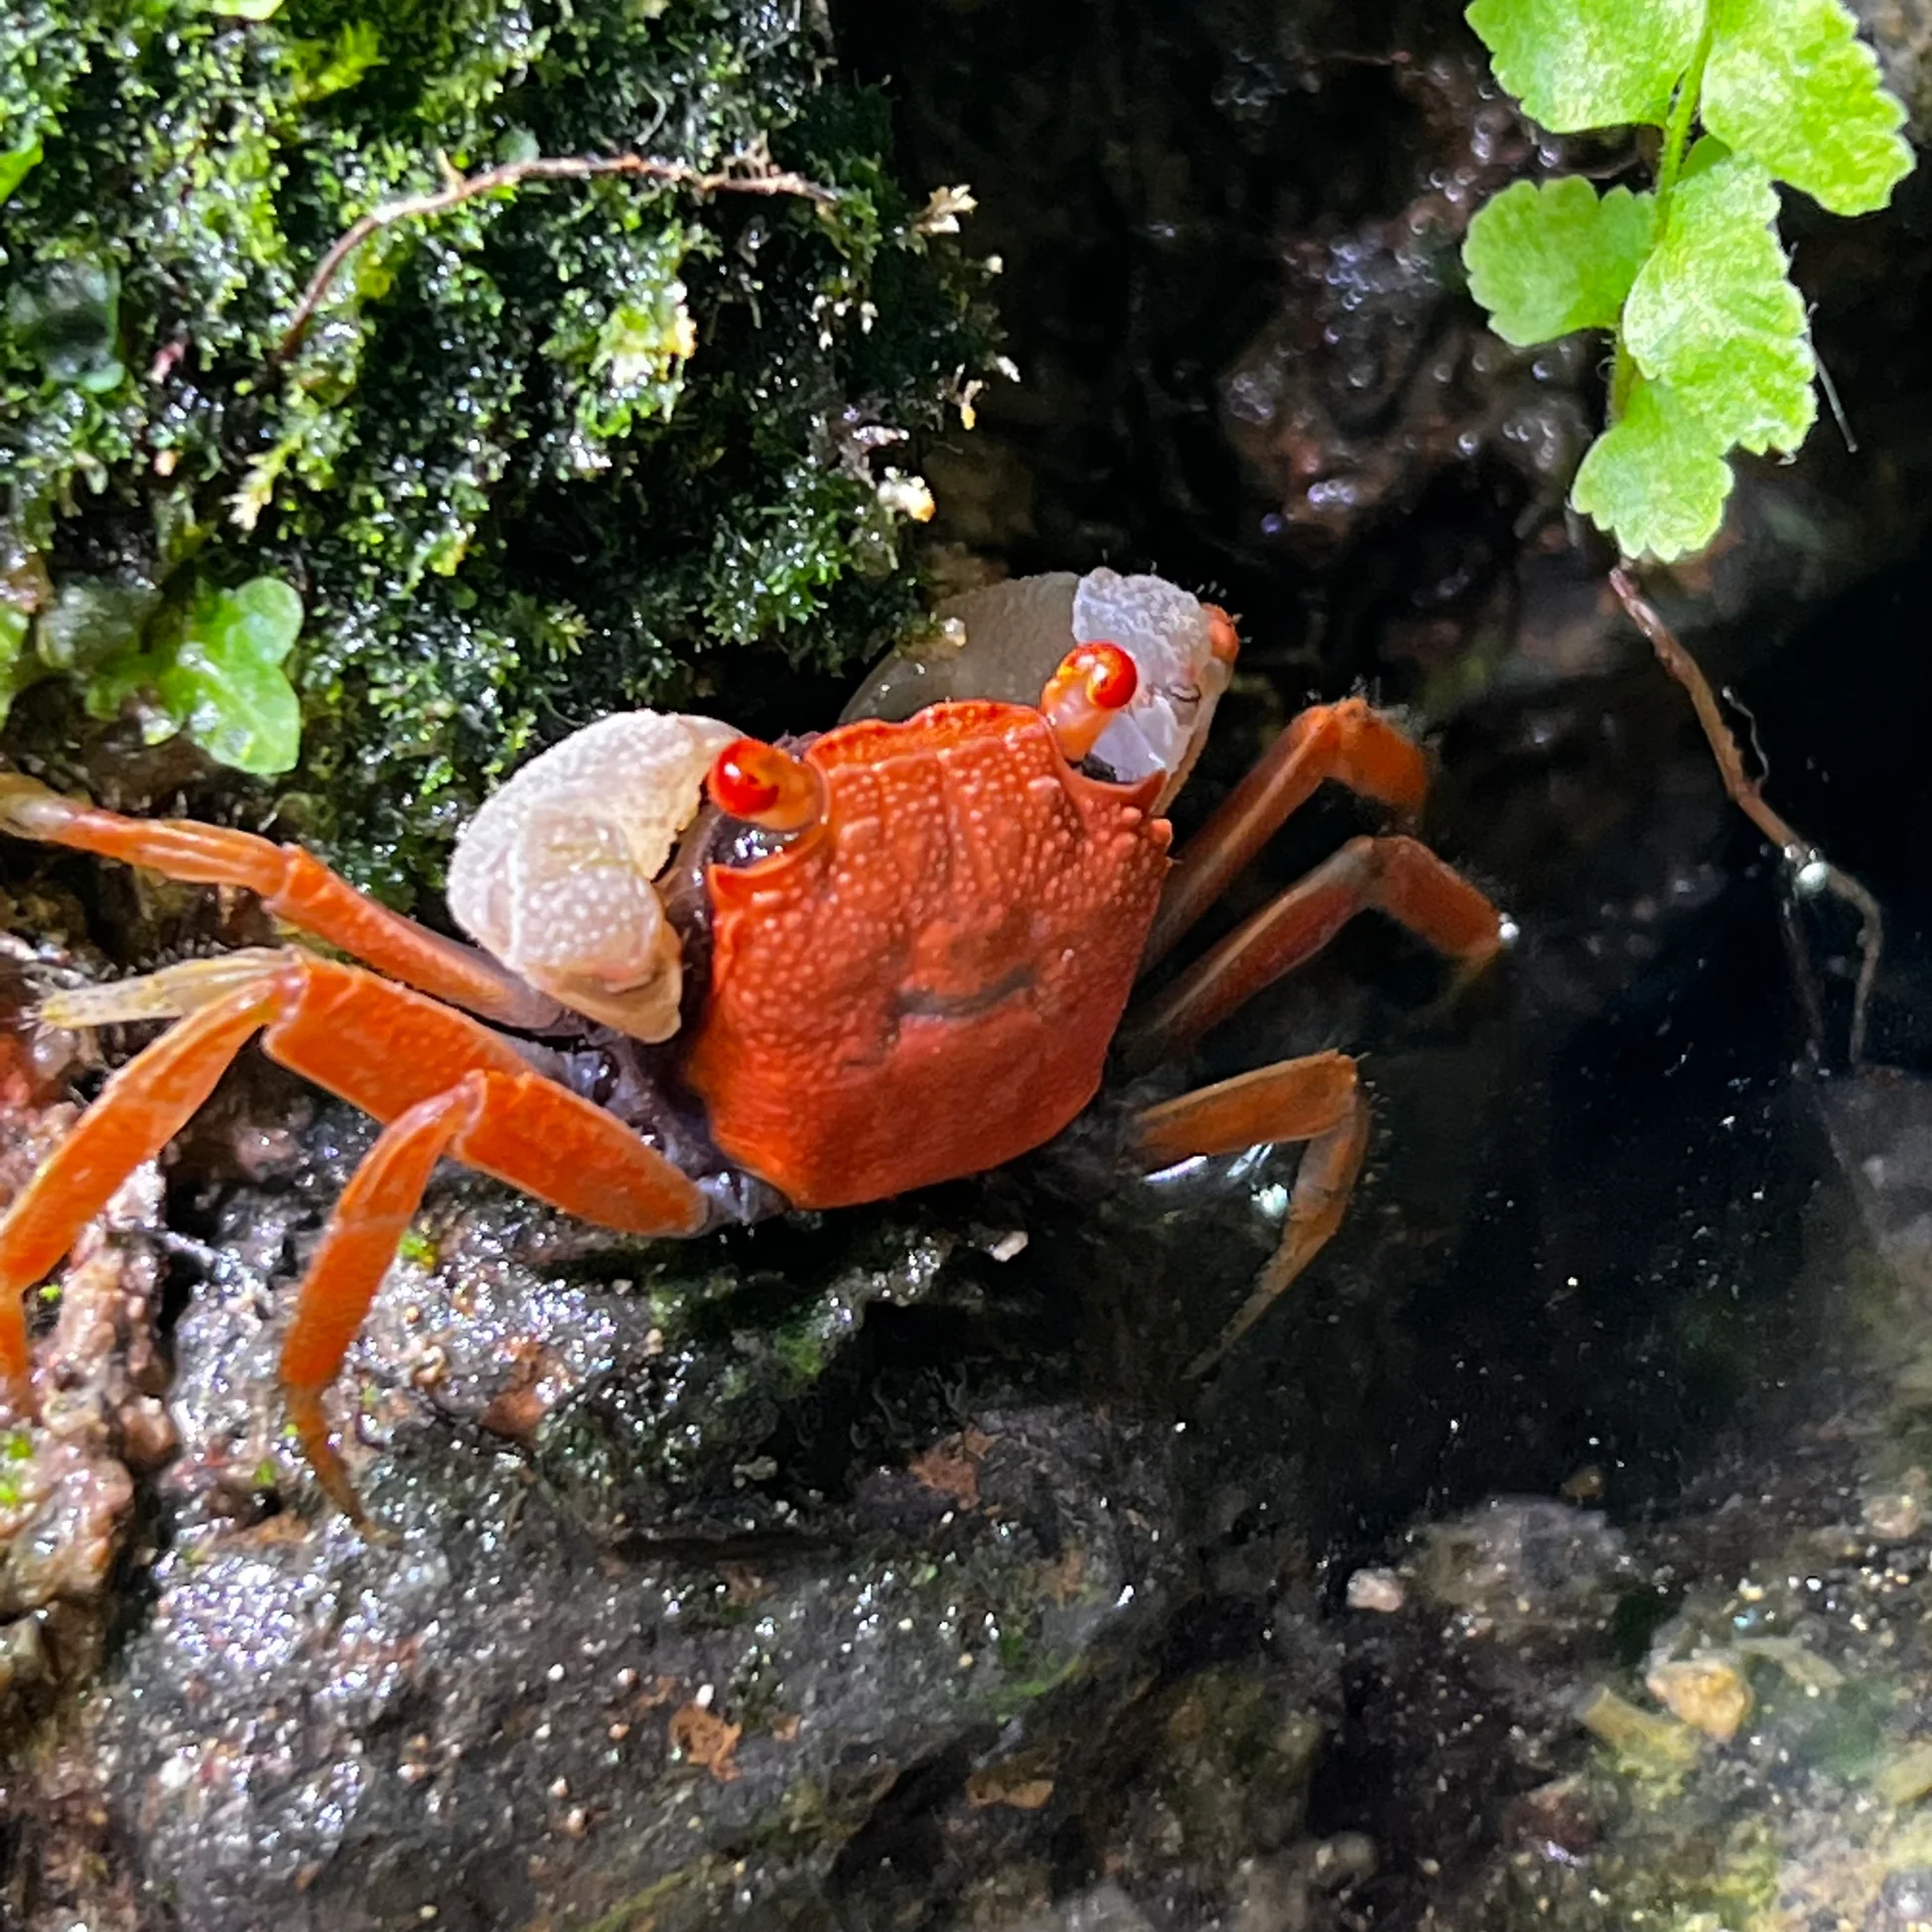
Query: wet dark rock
x=600, y=1659
x=1106, y=1908
x=1520, y=1566
x=1374, y=378
x=1229, y=240
x=1902, y=32
x=66, y=1478
x=1904, y=1901
x=495, y=1708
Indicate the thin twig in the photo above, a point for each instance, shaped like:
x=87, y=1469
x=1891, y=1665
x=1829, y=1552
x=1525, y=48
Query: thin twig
x=1811, y=871
x=458, y=189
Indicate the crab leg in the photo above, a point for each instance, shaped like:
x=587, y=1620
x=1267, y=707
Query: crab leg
x=520, y=1127
x=1348, y=742
x=442, y=1081
x=1316, y=1099
x=292, y=883
x=139, y=1112
x=1397, y=876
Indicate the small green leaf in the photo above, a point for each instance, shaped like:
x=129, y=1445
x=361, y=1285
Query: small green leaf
x=1579, y=64
x=17, y=665
x=1656, y=478
x=16, y=164
x=67, y=316
x=416, y=1248
x=323, y=67
x=1791, y=84
x=225, y=680
x=1713, y=314
x=1546, y=260
x=91, y=621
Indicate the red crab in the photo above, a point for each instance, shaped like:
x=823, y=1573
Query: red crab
x=890, y=956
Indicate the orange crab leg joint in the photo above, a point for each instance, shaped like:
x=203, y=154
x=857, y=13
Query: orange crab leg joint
x=765, y=786
x=1092, y=683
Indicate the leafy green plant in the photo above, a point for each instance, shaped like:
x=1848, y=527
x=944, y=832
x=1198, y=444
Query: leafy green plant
x=208, y=663
x=1711, y=343
x=215, y=671
x=556, y=354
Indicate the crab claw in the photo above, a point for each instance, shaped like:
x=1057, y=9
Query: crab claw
x=554, y=873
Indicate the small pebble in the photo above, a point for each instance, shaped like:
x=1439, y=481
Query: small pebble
x=1376, y=1590
x=1898, y=1515
x=1905, y=1778
x=1659, y=1744
x=1707, y=1691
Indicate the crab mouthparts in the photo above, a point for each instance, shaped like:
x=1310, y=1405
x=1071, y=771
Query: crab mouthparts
x=926, y=1003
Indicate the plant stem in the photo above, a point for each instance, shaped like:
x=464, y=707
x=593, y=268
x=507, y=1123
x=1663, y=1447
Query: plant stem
x=1670, y=165
x=1683, y=113
x=1807, y=868
x=1623, y=371
x=754, y=176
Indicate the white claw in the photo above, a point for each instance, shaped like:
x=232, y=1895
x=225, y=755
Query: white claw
x=554, y=873
x=1004, y=642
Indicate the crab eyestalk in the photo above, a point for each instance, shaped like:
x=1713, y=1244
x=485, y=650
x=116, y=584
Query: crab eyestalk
x=1092, y=683
x=767, y=787
x=1223, y=639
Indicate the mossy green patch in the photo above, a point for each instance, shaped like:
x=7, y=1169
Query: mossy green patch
x=542, y=452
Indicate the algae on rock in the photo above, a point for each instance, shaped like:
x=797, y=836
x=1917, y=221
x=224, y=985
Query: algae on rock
x=535, y=454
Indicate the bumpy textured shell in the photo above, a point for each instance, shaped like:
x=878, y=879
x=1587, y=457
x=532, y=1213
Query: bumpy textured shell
x=927, y=983
x=553, y=874
x=1005, y=640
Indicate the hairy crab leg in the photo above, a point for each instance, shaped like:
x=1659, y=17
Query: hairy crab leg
x=1351, y=743
x=1397, y=876
x=293, y=885
x=1316, y=1099
x=442, y=1080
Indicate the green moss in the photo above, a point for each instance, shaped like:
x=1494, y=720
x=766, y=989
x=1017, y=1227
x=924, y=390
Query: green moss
x=566, y=446
x=416, y=1248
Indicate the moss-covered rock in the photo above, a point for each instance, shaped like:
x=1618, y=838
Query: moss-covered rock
x=529, y=455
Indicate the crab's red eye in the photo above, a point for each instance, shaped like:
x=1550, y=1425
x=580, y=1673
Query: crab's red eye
x=1092, y=683
x=1109, y=673
x=740, y=781
x=765, y=786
